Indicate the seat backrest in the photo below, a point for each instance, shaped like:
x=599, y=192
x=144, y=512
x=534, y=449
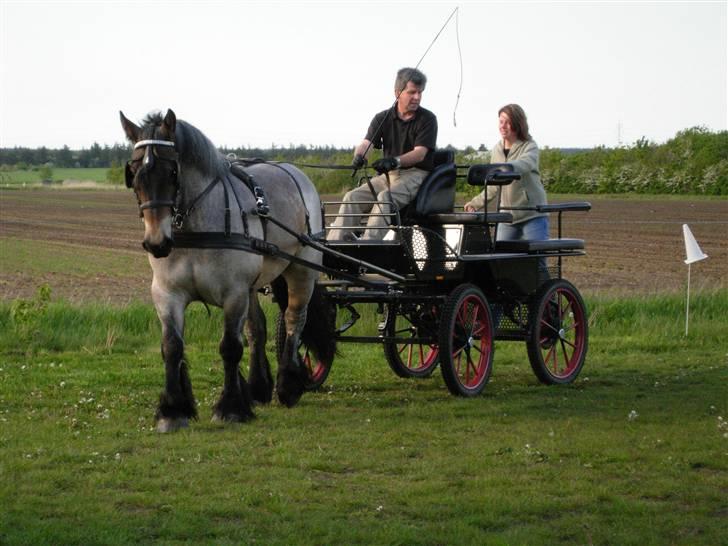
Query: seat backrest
x=437, y=191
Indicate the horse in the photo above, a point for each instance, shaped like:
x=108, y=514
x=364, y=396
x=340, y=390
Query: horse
x=208, y=238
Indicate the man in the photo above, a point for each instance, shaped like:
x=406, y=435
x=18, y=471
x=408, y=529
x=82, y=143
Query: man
x=407, y=133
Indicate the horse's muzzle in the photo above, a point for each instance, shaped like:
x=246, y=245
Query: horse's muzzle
x=160, y=250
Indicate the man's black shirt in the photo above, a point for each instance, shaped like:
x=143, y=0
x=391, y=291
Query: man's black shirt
x=398, y=137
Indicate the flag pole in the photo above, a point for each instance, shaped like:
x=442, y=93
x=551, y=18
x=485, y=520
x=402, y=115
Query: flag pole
x=687, y=305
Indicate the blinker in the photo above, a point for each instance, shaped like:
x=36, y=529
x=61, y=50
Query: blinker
x=128, y=176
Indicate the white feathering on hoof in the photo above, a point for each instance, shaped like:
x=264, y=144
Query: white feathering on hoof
x=172, y=425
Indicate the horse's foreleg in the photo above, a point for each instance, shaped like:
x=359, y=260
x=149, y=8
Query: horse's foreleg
x=292, y=373
x=176, y=403
x=234, y=404
x=261, y=380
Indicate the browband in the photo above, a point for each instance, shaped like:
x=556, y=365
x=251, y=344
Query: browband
x=143, y=143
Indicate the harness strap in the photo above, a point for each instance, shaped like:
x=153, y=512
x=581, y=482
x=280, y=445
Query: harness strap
x=237, y=241
x=298, y=187
x=227, y=207
x=243, y=215
x=179, y=217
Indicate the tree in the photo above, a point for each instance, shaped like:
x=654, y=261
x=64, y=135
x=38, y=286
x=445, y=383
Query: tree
x=46, y=173
x=115, y=174
x=64, y=158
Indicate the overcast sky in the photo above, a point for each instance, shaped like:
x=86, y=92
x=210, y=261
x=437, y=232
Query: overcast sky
x=258, y=73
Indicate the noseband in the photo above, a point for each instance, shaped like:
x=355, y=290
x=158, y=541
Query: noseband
x=147, y=165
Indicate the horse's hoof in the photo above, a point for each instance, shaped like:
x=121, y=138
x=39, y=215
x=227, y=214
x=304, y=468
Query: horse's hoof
x=289, y=398
x=231, y=418
x=261, y=396
x=167, y=424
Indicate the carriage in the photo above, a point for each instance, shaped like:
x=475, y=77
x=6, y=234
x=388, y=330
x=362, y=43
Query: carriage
x=218, y=230
x=446, y=289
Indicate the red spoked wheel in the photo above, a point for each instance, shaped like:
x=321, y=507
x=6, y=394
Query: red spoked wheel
x=466, y=341
x=413, y=357
x=317, y=369
x=558, y=332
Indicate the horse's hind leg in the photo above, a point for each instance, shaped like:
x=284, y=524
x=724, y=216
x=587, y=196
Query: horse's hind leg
x=261, y=380
x=234, y=404
x=176, y=403
x=292, y=373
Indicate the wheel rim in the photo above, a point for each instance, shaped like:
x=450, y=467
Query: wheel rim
x=471, y=342
x=415, y=356
x=562, y=336
x=314, y=366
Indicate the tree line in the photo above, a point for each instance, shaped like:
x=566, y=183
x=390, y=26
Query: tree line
x=695, y=161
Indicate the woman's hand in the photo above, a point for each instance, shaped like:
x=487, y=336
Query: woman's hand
x=469, y=208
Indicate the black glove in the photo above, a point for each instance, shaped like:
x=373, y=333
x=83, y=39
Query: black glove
x=358, y=162
x=386, y=164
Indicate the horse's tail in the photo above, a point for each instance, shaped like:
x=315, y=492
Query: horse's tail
x=318, y=332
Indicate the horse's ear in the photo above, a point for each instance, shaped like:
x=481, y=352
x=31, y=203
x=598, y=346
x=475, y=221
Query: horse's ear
x=169, y=124
x=131, y=130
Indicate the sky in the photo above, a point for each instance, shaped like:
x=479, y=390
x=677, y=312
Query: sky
x=258, y=74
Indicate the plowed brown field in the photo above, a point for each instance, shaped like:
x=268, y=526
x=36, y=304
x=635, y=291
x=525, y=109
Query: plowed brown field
x=86, y=245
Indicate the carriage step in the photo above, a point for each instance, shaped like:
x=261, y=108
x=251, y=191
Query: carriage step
x=362, y=242
x=369, y=277
x=548, y=245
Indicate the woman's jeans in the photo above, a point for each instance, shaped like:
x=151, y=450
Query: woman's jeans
x=534, y=229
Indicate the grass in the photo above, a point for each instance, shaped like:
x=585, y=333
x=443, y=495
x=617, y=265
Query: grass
x=21, y=177
x=40, y=256
x=634, y=452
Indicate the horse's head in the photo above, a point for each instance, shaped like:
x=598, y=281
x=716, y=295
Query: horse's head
x=152, y=174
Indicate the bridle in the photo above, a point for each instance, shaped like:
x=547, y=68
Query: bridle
x=151, y=155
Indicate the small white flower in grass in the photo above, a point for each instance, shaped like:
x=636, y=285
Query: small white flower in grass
x=62, y=384
x=380, y=508
x=632, y=415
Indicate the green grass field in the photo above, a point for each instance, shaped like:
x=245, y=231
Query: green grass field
x=18, y=178
x=634, y=452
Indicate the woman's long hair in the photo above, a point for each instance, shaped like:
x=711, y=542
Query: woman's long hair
x=518, y=120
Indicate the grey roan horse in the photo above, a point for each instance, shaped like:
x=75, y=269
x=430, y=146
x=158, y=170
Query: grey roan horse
x=183, y=186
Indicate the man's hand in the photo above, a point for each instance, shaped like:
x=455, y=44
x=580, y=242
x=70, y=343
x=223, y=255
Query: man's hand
x=358, y=162
x=386, y=164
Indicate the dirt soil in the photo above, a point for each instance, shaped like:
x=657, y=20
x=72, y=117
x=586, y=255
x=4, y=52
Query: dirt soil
x=634, y=245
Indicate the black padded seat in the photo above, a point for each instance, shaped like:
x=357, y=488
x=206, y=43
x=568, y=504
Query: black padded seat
x=470, y=218
x=548, y=245
x=437, y=191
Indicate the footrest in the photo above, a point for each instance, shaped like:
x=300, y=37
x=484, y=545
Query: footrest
x=548, y=245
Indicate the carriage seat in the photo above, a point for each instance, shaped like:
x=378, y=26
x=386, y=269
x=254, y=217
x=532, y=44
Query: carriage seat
x=548, y=245
x=470, y=218
x=437, y=192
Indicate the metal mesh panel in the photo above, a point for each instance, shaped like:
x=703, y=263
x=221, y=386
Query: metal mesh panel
x=510, y=317
x=430, y=250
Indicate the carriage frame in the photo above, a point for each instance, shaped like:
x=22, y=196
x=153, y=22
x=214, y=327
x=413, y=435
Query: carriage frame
x=447, y=289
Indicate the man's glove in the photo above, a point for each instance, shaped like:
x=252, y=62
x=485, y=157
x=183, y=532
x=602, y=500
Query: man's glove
x=358, y=162
x=386, y=164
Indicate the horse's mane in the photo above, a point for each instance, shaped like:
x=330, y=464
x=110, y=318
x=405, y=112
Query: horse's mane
x=193, y=147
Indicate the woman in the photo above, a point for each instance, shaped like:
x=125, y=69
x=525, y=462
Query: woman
x=519, y=149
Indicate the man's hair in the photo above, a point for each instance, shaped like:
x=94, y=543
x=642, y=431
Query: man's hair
x=519, y=123
x=413, y=75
